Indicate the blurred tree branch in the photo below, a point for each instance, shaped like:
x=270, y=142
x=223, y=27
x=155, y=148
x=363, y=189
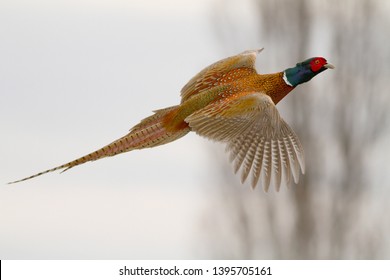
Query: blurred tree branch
x=337, y=122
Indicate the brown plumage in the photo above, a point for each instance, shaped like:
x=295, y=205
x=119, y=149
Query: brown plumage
x=228, y=102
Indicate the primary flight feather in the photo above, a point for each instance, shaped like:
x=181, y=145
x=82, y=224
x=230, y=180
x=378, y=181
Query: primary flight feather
x=228, y=102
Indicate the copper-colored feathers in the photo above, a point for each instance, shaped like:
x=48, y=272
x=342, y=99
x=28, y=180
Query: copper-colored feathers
x=213, y=75
x=258, y=139
x=150, y=132
x=231, y=103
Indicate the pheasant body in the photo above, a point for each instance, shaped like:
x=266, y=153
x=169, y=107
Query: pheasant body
x=228, y=102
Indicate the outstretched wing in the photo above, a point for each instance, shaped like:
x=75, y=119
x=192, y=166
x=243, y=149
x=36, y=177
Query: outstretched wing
x=213, y=75
x=258, y=139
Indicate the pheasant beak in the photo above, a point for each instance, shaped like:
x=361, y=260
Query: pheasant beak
x=329, y=66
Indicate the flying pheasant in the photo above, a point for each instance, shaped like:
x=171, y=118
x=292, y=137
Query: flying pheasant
x=228, y=102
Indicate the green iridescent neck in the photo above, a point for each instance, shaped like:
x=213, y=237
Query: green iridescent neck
x=299, y=74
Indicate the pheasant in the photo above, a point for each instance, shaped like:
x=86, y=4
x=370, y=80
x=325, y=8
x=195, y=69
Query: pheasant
x=228, y=102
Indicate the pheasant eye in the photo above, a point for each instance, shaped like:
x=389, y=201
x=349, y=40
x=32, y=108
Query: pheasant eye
x=316, y=64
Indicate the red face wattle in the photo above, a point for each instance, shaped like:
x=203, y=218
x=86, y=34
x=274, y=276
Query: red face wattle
x=317, y=63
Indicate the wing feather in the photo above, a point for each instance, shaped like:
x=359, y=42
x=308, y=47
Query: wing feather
x=267, y=166
x=258, y=164
x=214, y=74
x=277, y=165
x=285, y=162
x=259, y=141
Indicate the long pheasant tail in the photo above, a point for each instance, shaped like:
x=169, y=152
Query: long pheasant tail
x=150, y=132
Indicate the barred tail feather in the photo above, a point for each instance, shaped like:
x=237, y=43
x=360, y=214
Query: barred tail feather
x=150, y=132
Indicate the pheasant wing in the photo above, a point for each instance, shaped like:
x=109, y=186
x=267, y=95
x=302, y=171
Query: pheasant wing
x=260, y=142
x=215, y=74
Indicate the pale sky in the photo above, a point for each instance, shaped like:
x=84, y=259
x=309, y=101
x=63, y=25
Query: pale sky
x=76, y=75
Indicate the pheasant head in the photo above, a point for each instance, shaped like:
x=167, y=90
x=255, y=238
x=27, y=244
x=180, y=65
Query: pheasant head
x=306, y=70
